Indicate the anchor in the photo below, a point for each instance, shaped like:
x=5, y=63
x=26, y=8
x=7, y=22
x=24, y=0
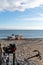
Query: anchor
x=37, y=55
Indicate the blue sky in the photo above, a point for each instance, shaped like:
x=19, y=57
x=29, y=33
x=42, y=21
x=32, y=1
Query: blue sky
x=21, y=14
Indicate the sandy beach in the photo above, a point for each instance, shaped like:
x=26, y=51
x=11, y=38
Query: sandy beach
x=25, y=49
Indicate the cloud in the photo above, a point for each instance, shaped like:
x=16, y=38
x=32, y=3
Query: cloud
x=20, y=5
x=41, y=14
x=25, y=27
x=32, y=19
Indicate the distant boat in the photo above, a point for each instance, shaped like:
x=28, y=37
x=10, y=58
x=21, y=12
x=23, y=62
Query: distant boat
x=18, y=37
x=11, y=37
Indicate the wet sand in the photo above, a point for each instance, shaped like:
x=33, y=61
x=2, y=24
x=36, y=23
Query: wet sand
x=25, y=49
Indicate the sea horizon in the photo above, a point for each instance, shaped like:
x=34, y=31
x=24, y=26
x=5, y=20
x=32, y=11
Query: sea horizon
x=24, y=33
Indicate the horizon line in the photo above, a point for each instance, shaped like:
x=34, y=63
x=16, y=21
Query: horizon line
x=21, y=29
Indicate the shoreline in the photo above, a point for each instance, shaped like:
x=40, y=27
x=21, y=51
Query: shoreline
x=21, y=39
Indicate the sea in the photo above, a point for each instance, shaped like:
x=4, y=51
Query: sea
x=24, y=33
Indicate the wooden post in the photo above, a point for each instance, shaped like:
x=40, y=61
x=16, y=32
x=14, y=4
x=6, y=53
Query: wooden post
x=13, y=58
x=0, y=55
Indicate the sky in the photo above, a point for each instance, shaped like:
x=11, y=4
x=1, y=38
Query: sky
x=21, y=14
